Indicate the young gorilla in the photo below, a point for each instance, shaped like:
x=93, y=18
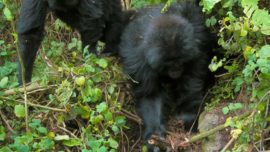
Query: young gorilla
x=168, y=55
x=94, y=19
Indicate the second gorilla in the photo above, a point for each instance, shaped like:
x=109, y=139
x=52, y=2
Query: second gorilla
x=167, y=54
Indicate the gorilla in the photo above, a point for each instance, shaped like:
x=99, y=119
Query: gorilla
x=94, y=19
x=167, y=56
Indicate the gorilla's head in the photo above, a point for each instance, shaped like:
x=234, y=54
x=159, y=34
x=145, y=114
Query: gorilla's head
x=169, y=44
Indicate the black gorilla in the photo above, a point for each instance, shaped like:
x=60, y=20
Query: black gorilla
x=94, y=19
x=168, y=55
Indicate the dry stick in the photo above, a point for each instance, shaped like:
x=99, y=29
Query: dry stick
x=67, y=131
x=37, y=105
x=228, y=145
x=31, y=87
x=6, y=122
x=44, y=107
x=132, y=116
x=199, y=111
x=15, y=36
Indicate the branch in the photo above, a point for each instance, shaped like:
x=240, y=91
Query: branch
x=29, y=88
x=214, y=130
x=44, y=107
x=6, y=122
x=37, y=105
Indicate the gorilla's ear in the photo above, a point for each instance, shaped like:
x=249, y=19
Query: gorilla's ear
x=153, y=58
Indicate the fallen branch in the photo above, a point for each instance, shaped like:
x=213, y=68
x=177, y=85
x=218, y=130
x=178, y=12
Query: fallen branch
x=131, y=116
x=30, y=88
x=212, y=131
x=44, y=107
x=37, y=105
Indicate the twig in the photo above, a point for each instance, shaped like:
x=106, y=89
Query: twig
x=37, y=105
x=199, y=111
x=44, y=107
x=205, y=134
x=138, y=140
x=228, y=145
x=131, y=116
x=15, y=38
x=30, y=88
x=69, y=132
x=6, y=122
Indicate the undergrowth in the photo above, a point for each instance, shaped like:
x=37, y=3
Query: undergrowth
x=75, y=106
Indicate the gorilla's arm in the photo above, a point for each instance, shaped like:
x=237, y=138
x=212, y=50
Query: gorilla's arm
x=150, y=97
x=151, y=110
x=190, y=90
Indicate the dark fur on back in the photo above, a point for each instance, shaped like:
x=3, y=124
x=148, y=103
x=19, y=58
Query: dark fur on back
x=94, y=19
x=168, y=55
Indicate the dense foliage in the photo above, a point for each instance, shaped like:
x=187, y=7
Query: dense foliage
x=243, y=28
x=76, y=104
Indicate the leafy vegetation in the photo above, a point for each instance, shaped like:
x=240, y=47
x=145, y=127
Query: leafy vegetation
x=243, y=31
x=76, y=103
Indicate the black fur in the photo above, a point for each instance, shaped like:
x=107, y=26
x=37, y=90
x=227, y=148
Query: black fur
x=168, y=55
x=94, y=19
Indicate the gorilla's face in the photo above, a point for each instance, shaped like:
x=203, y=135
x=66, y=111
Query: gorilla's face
x=166, y=63
x=171, y=60
x=172, y=45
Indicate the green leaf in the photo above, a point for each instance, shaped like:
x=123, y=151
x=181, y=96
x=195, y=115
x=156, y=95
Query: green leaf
x=209, y=4
x=102, y=107
x=2, y=133
x=72, y=142
x=64, y=91
x=97, y=119
x=225, y=110
x=228, y=3
x=80, y=81
x=115, y=129
x=102, y=149
x=35, y=123
x=42, y=130
x=102, y=63
x=261, y=18
x=7, y=14
x=83, y=111
x=264, y=52
x=19, y=111
x=120, y=121
x=249, y=6
x=46, y=144
x=6, y=149
x=113, y=143
x=231, y=106
x=95, y=144
x=238, y=105
x=4, y=82
x=211, y=21
x=108, y=116
x=243, y=32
